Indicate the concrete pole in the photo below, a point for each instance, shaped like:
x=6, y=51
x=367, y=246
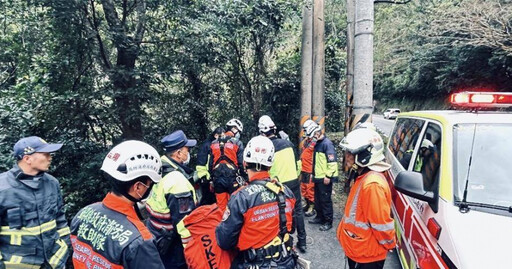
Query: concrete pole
x=318, y=63
x=350, y=63
x=306, y=64
x=363, y=63
x=351, y=6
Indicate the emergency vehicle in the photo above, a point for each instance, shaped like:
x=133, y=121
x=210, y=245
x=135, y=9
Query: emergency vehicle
x=451, y=182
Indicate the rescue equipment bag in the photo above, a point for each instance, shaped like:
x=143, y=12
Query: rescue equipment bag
x=202, y=251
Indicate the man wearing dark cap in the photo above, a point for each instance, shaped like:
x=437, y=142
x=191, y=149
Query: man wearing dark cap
x=172, y=199
x=34, y=232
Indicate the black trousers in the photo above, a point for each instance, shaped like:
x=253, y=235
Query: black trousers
x=323, y=201
x=298, y=223
x=371, y=265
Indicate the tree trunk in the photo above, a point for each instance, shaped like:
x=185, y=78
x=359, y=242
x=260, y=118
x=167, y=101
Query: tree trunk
x=126, y=94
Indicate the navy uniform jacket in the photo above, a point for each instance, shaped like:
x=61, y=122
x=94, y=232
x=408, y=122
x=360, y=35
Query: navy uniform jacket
x=34, y=230
x=110, y=235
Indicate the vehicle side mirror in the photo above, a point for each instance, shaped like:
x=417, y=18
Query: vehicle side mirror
x=411, y=184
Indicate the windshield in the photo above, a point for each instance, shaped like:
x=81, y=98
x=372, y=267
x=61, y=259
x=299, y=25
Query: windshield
x=490, y=179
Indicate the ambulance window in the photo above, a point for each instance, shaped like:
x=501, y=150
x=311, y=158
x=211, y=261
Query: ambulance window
x=404, y=138
x=429, y=156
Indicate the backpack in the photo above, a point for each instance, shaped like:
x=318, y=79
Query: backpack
x=202, y=251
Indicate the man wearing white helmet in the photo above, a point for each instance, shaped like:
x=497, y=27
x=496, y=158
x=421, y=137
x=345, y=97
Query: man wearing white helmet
x=225, y=165
x=307, y=186
x=259, y=216
x=325, y=173
x=110, y=234
x=285, y=169
x=366, y=231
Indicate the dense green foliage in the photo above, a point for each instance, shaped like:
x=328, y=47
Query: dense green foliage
x=427, y=49
x=92, y=73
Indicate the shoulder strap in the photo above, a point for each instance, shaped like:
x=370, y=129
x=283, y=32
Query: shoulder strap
x=277, y=188
x=223, y=157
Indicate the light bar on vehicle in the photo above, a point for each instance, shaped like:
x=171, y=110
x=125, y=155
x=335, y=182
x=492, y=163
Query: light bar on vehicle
x=482, y=99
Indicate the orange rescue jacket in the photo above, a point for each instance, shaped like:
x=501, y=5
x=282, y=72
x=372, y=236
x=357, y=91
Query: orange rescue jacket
x=366, y=231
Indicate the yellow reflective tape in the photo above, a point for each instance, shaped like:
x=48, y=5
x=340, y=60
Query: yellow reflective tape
x=9, y=265
x=64, y=231
x=404, y=260
x=36, y=230
x=15, y=259
x=55, y=259
x=16, y=239
x=183, y=231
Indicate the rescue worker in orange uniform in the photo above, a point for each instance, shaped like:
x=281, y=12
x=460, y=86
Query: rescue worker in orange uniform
x=225, y=164
x=307, y=186
x=259, y=216
x=110, y=234
x=366, y=231
x=203, y=160
x=285, y=169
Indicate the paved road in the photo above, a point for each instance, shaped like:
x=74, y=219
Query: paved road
x=324, y=250
x=385, y=125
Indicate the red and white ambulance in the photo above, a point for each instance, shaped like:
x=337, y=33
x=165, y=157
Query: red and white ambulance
x=451, y=181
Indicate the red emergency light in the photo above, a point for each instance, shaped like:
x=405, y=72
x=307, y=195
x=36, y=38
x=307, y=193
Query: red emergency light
x=481, y=99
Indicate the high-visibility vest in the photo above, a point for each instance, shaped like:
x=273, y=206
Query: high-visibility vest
x=285, y=167
x=366, y=231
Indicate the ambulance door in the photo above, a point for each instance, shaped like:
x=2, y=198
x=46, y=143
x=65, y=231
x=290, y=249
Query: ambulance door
x=425, y=222
x=400, y=152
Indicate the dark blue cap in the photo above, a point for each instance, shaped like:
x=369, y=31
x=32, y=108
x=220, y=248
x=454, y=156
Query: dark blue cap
x=33, y=144
x=177, y=140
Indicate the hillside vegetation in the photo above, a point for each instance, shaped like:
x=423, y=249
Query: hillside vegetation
x=92, y=73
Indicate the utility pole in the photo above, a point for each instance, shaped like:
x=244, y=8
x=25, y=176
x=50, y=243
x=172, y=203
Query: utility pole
x=350, y=63
x=306, y=64
x=318, y=63
x=363, y=62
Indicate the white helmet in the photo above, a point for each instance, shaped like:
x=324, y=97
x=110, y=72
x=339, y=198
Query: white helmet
x=426, y=144
x=365, y=124
x=307, y=123
x=132, y=159
x=236, y=123
x=367, y=147
x=312, y=129
x=265, y=124
x=259, y=150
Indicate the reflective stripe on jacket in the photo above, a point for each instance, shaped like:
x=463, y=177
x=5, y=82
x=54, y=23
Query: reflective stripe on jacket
x=252, y=217
x=34, y=230
x=171, y=199
x=285, y=167
x=325, y=160
x=110, y=235
x=203, y=160
x=366, y=231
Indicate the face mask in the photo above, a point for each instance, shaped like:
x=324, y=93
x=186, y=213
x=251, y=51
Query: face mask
x=146, y=194
x=188, y=158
